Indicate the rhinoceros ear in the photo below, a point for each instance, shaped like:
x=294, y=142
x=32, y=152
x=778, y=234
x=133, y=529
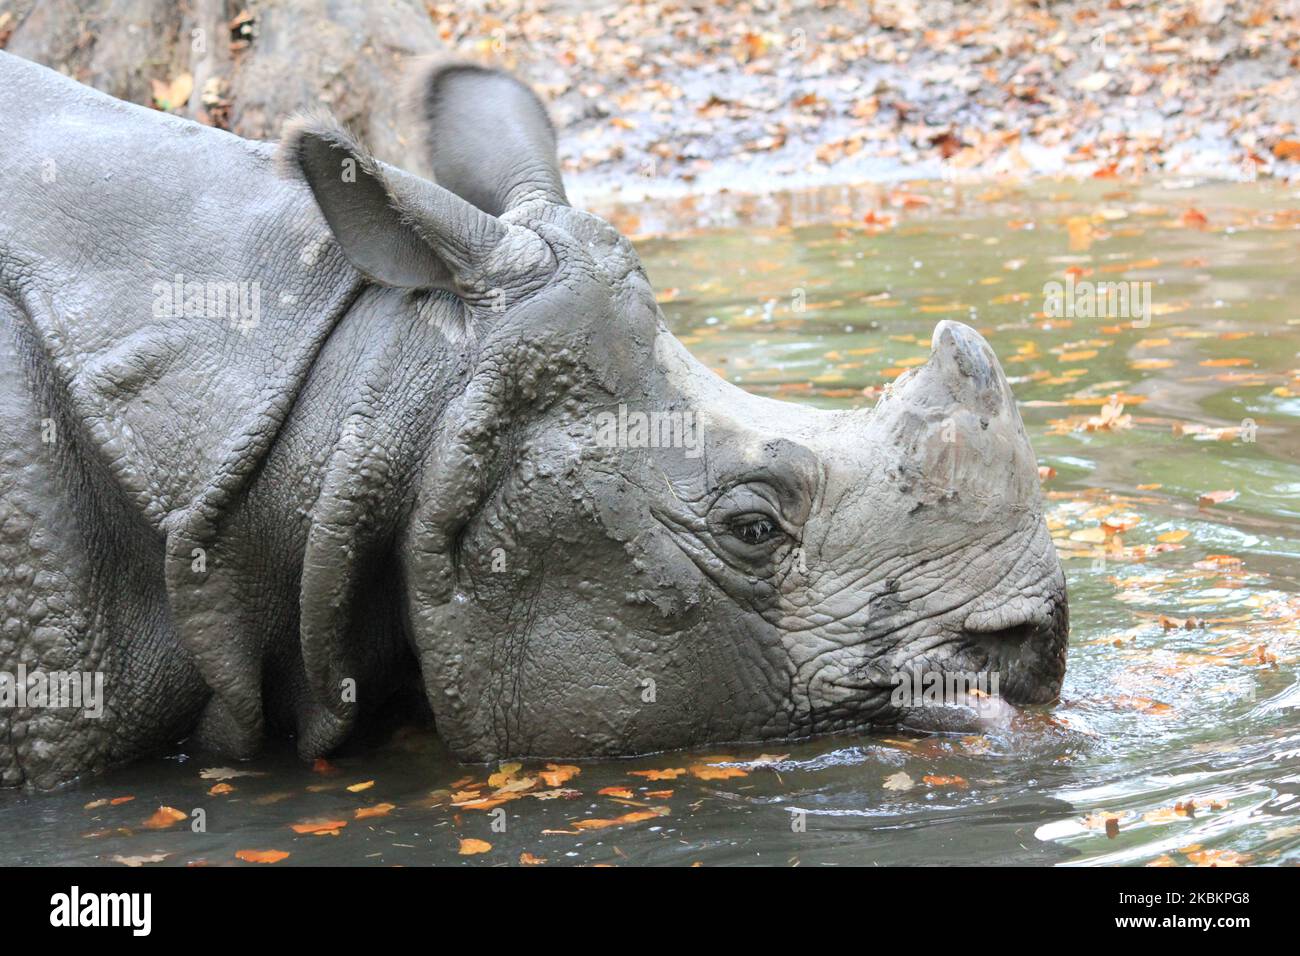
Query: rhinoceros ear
x=490, y=140
x=398, y=229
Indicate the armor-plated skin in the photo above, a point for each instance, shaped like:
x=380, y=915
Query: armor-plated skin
x=386, y=455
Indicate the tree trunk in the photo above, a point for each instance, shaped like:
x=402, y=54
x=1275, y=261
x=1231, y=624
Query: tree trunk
x=253, y=63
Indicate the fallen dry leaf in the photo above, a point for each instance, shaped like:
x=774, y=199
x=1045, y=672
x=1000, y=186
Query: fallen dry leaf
x=767, y=760
x=470, y=846
x=169, y=96
x=1111, y=417
x=140, y=860
x=527, y=859
x=227, y=773
x=899, y=781
x=1287, y=149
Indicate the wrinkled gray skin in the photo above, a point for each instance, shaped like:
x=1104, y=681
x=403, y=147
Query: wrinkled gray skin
x=397, y=473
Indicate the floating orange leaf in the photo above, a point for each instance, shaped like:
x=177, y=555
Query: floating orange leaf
x=261, y=856
x=670, y=774
x=1184, y=624
x=163, y=818
x=707, y=772
x=1144, y=705
x=1207, y=498
x=527, y=859
x=114, y=802
x=1227, y=362
x=320, y=827
x=556, y=774
x=936, y=780
x=1111, y=417
x=378, y=810
x=1215, y=857
x=638, y=816
x=907, y=200
x=1215, y=562
x=1102, y=820
x=504, y=774
x=1081, y=233
x=470, y=846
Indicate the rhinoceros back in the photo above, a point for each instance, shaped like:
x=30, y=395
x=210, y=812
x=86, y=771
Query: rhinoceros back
x=163, y=293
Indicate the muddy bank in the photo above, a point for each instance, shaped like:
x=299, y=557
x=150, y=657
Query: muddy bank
x=665, y=98
x=673, y=98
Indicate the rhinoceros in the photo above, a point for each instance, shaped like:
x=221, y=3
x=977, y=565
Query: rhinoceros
x=286, y=429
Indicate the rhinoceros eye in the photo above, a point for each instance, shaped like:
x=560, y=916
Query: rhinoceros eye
x=754, y=529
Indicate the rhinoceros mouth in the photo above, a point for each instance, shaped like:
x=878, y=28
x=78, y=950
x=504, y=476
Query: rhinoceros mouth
x=952, y=678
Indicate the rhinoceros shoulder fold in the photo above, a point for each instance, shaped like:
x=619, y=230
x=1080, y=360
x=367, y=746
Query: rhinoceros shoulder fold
x=179, y=290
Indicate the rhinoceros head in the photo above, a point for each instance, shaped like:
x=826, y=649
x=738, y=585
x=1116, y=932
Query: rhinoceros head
x=611, y=550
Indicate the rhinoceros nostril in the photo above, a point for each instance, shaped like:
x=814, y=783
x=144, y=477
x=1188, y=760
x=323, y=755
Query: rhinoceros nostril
x=1010, y=623
x=1006, y=636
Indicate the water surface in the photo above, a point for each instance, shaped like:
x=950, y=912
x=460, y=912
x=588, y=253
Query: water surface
x=1177, y=737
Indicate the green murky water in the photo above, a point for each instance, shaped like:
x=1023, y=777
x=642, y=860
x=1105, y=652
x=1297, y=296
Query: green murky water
x=1177, y=515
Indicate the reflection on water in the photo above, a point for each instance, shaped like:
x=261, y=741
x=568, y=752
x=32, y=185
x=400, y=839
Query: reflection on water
x=1169, y=453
